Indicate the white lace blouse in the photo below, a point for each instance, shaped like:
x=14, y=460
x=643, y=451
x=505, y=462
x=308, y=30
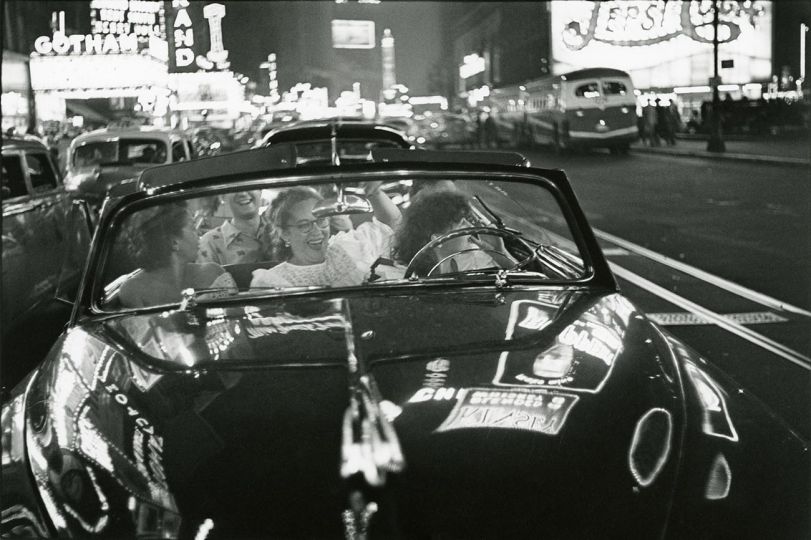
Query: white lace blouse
x=348, y=258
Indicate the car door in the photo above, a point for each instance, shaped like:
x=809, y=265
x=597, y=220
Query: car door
x=18, y=211
x=37, y=226
x=50, y=209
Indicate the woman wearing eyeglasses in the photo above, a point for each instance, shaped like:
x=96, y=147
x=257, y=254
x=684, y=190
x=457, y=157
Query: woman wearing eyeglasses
x=314, y=258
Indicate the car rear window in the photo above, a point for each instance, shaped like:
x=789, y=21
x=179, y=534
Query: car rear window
x=614, y=88
x=588, y=90
x=41, y=172
x=13, y=178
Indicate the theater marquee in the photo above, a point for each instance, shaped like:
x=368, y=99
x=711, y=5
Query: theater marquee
x=663, y=44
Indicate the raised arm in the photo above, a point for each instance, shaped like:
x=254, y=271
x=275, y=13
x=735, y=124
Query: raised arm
x=384, y=209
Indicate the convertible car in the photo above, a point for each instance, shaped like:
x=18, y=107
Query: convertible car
x=520, y=397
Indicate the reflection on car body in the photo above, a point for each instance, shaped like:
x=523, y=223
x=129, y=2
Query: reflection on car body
x=446, y=404
x=35, y=208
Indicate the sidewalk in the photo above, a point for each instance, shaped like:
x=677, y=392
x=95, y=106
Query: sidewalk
x=783, y=150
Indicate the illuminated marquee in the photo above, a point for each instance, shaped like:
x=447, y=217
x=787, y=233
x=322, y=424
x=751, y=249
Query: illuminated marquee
x=662, y=44
x=86, y=44
x=142, y=18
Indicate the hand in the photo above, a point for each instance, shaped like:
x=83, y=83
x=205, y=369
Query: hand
x=372, y=187
x=489, y=242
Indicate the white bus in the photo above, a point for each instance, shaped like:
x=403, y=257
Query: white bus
x=593, y=107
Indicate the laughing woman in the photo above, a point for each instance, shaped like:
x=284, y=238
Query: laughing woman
x=166, y=246
x=315, y=258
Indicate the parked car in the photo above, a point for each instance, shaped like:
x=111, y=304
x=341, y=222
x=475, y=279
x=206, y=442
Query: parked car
x=525, y=397
x=35, y=248
x=408, y=126
x=446, y=130
x=35, y=208
x=102, y=158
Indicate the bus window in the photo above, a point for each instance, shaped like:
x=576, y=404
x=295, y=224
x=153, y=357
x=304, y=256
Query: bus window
x=614, y=88
x=588, y=90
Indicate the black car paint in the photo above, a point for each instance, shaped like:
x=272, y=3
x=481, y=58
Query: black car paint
x=254, y=446
x=118, y=443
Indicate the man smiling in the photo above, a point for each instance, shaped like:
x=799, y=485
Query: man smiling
x=240, y=239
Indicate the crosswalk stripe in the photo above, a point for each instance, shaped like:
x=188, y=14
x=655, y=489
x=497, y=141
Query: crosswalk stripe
x=720, y=282
x=682, y=318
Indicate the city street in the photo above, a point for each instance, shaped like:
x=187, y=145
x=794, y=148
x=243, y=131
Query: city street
x=439, y=269
x=712, y=250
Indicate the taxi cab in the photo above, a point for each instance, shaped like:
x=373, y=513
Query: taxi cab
x=100, y=159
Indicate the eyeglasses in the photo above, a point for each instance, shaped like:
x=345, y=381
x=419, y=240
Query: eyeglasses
x=305, y=226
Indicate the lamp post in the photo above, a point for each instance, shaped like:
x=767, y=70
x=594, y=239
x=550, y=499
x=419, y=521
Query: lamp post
x=801, y=80
x=715, y=143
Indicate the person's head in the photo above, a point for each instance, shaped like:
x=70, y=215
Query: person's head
x=244, y=204
x=304, y=236
x=148, y=154
x=428, y=217
x=430, y=186
x=165, y=233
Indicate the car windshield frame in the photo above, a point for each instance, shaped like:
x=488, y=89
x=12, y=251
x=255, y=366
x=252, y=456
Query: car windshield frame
x=89, y=302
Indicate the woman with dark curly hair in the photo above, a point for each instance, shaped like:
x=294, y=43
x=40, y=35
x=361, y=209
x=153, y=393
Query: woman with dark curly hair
x=431, y=215
x=166, y=244
x=314, y=257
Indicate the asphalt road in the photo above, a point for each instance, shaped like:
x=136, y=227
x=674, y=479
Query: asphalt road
x=717, y=252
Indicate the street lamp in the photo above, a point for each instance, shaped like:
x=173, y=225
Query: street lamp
x=801, y=80
x=715, y=143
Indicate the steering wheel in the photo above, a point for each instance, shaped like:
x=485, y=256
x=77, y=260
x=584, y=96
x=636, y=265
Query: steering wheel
x=466, y=231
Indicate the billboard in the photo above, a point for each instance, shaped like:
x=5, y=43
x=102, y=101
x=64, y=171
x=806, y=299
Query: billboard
x=353, y=34
x=663, y=44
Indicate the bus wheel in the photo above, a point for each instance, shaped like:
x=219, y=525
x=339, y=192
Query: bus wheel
x=620, y=149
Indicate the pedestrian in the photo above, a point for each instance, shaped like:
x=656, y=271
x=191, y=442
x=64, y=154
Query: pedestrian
x=650, y=123
x=490, y=132
x=643, y=133
x=664, y=123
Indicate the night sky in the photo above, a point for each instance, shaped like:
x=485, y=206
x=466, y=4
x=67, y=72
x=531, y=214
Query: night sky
x=249, y=35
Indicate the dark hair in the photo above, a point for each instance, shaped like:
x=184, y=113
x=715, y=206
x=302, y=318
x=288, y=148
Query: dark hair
x=418, y=186
x=155, y=229
x=430, y=213
x=280, y=210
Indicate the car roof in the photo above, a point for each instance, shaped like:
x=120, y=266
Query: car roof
x=277, y=157
x=322, y=130
x=16, y=143
x=139, y=132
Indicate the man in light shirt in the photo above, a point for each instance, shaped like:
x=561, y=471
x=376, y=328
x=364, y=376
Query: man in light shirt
x=243, y=238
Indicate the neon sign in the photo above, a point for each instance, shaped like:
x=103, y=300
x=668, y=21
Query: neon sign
x=86, y=44
x=634, y=24
x=186, y=28
x=140, y=17
x=471, y=65
x=663, y=44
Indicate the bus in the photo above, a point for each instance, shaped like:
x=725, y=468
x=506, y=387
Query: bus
x=594, y=107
